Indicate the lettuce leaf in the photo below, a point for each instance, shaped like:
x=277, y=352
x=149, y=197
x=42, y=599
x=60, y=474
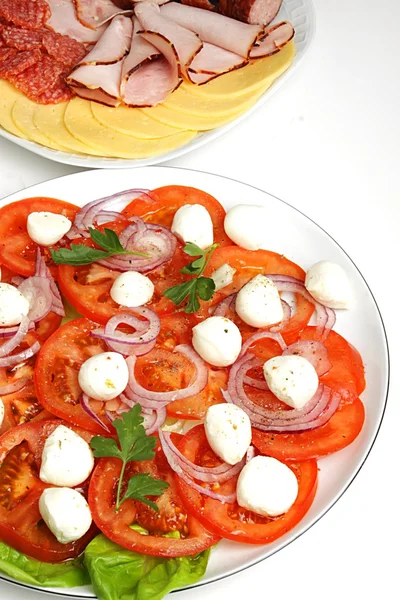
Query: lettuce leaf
x=70, y=313
x=28, y=570
x=119, y=574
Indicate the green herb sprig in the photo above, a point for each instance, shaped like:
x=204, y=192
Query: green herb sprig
x=198, y=287
x=134, y=445
x=79, y=254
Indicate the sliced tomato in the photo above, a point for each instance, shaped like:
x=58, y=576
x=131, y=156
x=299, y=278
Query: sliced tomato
x=6, y=274
x=20, y=407
x=248, y=264
x=21, y=525
x=230, y=520
x=47, y=326
x=171, y=515
x=160, y=205
x=17, y=250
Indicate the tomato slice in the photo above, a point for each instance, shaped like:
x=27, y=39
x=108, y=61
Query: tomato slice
x=230, y=520
x=21, y=525
x=171, y=515
x=160, y=205
x=248, y=264
x=19, y=255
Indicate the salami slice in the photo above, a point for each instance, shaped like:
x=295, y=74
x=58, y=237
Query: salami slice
x=40, y=77
x=16, y=64
x=63, y=48
x=22, y=39
x=60, y=92
x=5, y=54
x=31, y=14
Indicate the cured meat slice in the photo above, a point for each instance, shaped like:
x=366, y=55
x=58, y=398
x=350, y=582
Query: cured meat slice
x=214, y=28
x=31, y=14
x=213, y=61
x=38, y=78
x=63, y=20
x=98, y=82
x=113, y=45
x=273, y=40
x=18, y=62
x=95, y=13
x=6, y=54
x=22, y=39
x=60, y=92
x=260, y=12
x=63, y=48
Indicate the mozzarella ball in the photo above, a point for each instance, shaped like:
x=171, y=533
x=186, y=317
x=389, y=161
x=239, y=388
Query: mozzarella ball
x=104, y=376
x=267, y=486
x=47, y=228
x=217, y=340
x=292, y=379
x=228, y=431
x=192, y=223
x=67, y=459
x=246, y=225
x=1, y=412
x=66, y=513
x=13, y=305
x=223, y=276
x=132, y=289
x=328, y=283
x=258, y=302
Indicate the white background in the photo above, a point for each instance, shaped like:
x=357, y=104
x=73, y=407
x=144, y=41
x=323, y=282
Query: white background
x=328, y=143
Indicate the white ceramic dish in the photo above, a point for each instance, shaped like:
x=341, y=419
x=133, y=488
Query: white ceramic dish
x=299, y=12
x=303, y=241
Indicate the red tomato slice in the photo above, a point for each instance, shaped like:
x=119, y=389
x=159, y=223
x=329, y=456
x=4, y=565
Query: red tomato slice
x=21, y=525
x=19, y=255
x=171, y=515
x=230, y=520
x=160, y=205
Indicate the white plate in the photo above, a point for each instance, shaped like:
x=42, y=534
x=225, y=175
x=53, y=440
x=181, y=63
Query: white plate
x=304, y=242
x=299, y=12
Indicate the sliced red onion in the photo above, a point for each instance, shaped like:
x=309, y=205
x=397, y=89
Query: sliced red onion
x=10, y=331
x=18, y=338
x=250, y=454
x=287, y=315
x=84, y=401
x=150, y=399
x=258, y=384
x=106, y=216
x=315, y=352
x=15, y=359
x=37, y=291
x=138, y=343
x=17, y=280
x=222, y=307
x=153, y=422
x=260, y=335
x=42, y=270
x=12, y=388
x=175, y=466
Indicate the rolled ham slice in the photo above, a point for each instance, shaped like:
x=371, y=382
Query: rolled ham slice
x=113, y=45
x=63, y=20
x=213, y=28
x=100, y=83
x=211, y=62
x=273, y=40
x=260, y=12
x=93, y=13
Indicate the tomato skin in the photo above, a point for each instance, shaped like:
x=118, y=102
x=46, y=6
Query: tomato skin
x=230, y=520
x=21, y=524
x=20, y=255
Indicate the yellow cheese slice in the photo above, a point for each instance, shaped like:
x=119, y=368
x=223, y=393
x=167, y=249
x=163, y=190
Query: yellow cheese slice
x=8, y=96
x=131, y=122
x=22, y=115
x=81, y=123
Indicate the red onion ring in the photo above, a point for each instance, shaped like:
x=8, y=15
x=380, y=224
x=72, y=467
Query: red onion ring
x=157, y=420
x=37, y=291
x=250, y=454
x=258, y=384
x=42, y=270
x=15, y=359
x=11, y=388
x=260, y=335
x=17, y=280
x=84, y=401
x=287, y=315
x=315, y=352
x=138, y=343
x=10, y=331
x=222, y=307
x=18, y=338
x=175, y=466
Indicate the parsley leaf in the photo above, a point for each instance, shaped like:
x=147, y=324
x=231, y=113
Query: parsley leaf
x=79, y=254
x=134, y=445
x=199, y=287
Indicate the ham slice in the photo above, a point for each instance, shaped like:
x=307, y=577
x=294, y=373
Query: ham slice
x=93, y=13
x=213, y=28
x=213, y=61
x=147, y=76
x=63, y=20
x=98, y=82
x=114, y=43
x=273, y=40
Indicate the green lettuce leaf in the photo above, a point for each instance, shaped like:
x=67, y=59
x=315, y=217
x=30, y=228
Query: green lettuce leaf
x=119, y=574
x=70, y=313
x=28, y=570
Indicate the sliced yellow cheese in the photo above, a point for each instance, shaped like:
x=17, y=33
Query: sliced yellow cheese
x=247, y=79
x=8, y=96
x=81, y=123
x=49, y=119
x=131, y=121
x=22, y=115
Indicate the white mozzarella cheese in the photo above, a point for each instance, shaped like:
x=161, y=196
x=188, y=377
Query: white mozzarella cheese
x=217, y=340
x=104, y=376
x=132, y=289
x=67, y=459
x=1, y=412
x=13, y=305
x=266, y=486
x=192, y=223
x=66, y=513
x=247, y=225
x=328, y=283
x=258, y=302
x=47, y=228
x=223, y=276
x=228, y=431
x=292, y=379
